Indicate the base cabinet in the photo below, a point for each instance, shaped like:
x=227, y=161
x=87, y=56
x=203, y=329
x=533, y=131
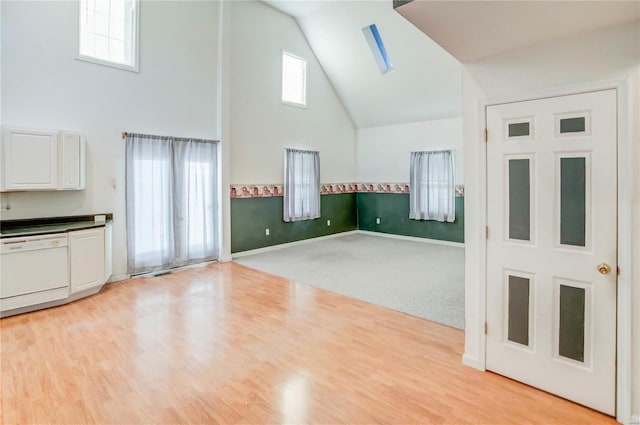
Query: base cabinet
x=86, y=259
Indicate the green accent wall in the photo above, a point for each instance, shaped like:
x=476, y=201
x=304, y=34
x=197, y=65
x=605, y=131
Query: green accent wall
x=251, y=216
x=393, y=210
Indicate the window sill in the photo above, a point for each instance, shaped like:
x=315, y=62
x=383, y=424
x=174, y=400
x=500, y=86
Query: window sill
x=130, y=68
x=297, y=105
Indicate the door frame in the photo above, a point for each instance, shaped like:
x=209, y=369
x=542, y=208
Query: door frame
x=624, y=233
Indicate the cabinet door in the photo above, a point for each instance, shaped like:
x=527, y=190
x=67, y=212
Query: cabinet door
x=30, y=159
x=86, y=258
x=70, y=160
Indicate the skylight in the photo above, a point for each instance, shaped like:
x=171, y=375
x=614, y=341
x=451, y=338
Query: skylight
x=372, y=35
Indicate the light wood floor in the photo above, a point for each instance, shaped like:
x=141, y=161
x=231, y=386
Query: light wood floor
x=227, y=344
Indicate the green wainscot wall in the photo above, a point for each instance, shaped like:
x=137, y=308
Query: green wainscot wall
x=393, y=211
x=251, y=216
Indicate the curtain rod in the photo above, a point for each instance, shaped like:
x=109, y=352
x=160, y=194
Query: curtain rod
x=125, y=134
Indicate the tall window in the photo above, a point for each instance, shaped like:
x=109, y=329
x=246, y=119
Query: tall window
x=108, y=32
x=294, y=80
x=432, y=190
x=171, y=199
x=301, y=185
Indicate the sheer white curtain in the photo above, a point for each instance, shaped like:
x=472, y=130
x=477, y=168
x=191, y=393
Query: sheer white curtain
x=301, y=184
x=432, y=190
x=171, y=201
x=195, y=201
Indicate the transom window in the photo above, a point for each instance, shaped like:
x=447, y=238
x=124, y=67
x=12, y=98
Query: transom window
x=108, y=32
x=294, y=80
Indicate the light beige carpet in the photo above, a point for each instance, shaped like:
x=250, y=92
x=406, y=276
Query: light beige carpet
x=421, y=279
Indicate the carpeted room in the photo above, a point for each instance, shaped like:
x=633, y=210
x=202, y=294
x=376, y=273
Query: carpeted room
x=364, y=160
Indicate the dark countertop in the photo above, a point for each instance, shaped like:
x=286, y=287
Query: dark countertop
x=47, y=225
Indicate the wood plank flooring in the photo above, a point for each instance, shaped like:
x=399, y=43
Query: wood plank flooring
x=227, y=344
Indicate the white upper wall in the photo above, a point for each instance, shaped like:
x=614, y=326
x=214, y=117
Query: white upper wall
x=425, y=83
x=261, y=126
x=44, y=87
x=383, y=153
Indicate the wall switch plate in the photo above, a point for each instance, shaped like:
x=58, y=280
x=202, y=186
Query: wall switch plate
x=100, y=218
x=328, y=222
x=266, y=232
x=378, y=220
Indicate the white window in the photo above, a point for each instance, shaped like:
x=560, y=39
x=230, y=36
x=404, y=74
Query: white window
x=108, y=32
x=301, y=185
x=432, y=190
x=294, y=80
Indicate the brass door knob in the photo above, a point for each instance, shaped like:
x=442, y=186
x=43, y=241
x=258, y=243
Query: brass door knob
x=604, y=268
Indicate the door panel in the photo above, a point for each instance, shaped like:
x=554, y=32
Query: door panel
x=552, y=207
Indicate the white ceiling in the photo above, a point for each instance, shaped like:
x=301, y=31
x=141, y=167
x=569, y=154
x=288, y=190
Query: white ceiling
x=425, y=83
x=470, y=30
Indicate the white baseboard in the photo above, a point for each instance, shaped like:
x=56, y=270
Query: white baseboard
x=225, y=259
x=635, y=420
x=411, y=238
x=289, y=244
x=471, y=361
x=118, y=277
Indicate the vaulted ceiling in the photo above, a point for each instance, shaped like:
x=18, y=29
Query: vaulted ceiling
x=427, y=41
x=425, y=82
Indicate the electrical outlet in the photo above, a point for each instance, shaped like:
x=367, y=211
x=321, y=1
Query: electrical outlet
x=378, y=220
x=328, y=222
x=266, y=232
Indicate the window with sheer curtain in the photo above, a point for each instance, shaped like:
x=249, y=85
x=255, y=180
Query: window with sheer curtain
x=432, y=189
x=301, y=185
x=171, y=200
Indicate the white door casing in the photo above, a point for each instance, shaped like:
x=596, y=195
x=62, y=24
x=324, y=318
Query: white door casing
x=552, y=208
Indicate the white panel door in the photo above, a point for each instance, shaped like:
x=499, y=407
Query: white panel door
x=86, y=259
x=551, y=246
x=30, y=159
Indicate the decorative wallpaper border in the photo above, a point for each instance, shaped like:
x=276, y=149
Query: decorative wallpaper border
x=256, y=190
x=269, y=190
x=383, y=187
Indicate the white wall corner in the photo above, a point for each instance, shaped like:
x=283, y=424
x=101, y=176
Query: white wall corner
x=471, y=361
x=223, y=100
x=635, y=420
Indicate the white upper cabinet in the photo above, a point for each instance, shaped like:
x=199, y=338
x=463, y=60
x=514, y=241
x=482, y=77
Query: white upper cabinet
x=71, y=161
x=29, y=160
x=41, y=160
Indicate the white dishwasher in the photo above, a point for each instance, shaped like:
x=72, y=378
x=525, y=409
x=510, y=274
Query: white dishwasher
x=33, y=270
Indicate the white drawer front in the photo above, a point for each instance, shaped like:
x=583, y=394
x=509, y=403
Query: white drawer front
x=33, y=271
